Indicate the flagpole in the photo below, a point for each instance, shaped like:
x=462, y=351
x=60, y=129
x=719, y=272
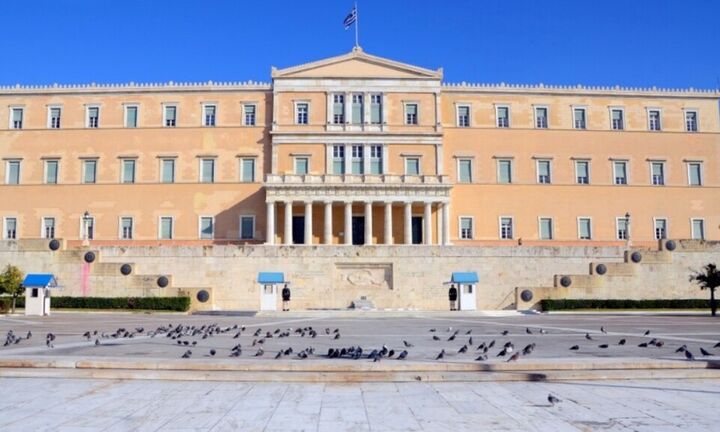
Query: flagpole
x=357, y=19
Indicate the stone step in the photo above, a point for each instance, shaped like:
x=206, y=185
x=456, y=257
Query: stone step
x=613, y=269
x=198, y=301
x=578, y=281
x=640, y=256
x=148, y=281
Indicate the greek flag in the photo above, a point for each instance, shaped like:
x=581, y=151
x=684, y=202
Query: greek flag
x=350, y=18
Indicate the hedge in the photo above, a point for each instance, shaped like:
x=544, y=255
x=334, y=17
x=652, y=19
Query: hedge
x=567, y=304
x=180, y=304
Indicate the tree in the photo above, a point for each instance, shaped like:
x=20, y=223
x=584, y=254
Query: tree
x=708, y=278
x=11, y=283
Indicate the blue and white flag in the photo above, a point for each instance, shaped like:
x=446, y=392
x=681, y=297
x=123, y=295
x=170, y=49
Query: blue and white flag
x=350, y=18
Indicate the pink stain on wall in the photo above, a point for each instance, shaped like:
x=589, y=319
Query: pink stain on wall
x=85, y=279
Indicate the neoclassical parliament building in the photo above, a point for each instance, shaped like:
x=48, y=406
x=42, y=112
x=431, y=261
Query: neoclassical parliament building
x=357, y=177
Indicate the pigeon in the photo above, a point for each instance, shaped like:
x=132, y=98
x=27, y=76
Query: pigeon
x=29, y=335
x=463, y=349
x=514, y=357
x=403, y=355
x=528, y=331
x=542, y=331
x=717, y=345
x=602, y=329
x=659, y=344
x=647, y=332
x=259, y=352
x=468, y=332
x=279, y=354
x=441, y=355
x=212, y=352
x=704, y=352
x=688, y=355
x=407, y=344
x=502, y=353
x=528, y=349
x=97, y=342
x=470, y=341
x=451, y=338
x=505, y=332
x=681, y=349
x=622, y=342
x=391, y=353
x=481, y=357
x=86, y=335
x=187, y=354
x=553, y=400
x=491, y=344
x=435, y=338
x=574, y=348
x=432, y=330
x=481, y=346
x=337, y=336
x=588, y=337
x=643, y=345
x=603, y=346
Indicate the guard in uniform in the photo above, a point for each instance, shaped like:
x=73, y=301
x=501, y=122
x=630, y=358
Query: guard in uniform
x=286, y=298
x=452, y=295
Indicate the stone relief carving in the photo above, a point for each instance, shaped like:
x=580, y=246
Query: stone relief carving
x=368, y=276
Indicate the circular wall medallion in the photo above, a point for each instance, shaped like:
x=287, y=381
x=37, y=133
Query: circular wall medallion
x=601, y=269
x=89, y=257
x=203, y=296
x=126, y=269
x=54, y=244
x=162, y=281
x=636, y=257
x=670, y=245
x=526, y=295
x=565, y=281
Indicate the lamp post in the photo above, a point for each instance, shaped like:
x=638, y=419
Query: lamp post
x=627, y=228
x=86, y=223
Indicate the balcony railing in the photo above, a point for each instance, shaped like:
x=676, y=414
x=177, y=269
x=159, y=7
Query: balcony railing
x=356, y=179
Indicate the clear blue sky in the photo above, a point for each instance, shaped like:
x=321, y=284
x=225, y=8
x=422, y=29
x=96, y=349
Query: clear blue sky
x=605, y=42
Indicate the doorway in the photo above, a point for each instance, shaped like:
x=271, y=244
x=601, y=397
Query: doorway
x=417, y=230
x=358, y=230
x=268, y=297
x=298, y=229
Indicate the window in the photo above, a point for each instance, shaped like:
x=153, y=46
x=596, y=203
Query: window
x=249, y=114
x=126, y=228
x=579, y=118
x=584, y=229
x=412, y=166
x=505, y=171
x=376, y=108
x=16, y=118
x=691, y=121
x=338, y=159
x=620, y=172
x=166, y=228
x=128, y=171
x=357, y=159
x=167, y=166
x=466, y=228
x=131, y=116
x=582, y=172
x=658, y=173
x=207, y=226
x=698, y=229
x=301, y=165
x=502, y=113
x=695, y=174
x=357, y=109
x=338, y=109
x=247, y=169
x=376, y=159
x=301, y=113
x=54, y=117
x=411, y=114
x=546, y=228
x=209, y=112
x=207, y=170
x=10, y=229
x=464, y=170
x=89, y=171
x=541, y=117
x=654, y=120
x=170, y=114
x=247, y=227
x=623, y=228
x=463, y=116
x=51, y=171
x=543, y=171
x=660, y=229
x=506, y=228
x=88, y=225
x=617, y=118
x=93, y=117
x=48, y=228
x=12, y=175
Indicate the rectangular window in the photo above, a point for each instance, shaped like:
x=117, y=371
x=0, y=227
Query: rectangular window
x=546, y=229
x=88, y=225
x=166, y=228
x=128, y=171
x=691, y=124
x=412, y=166
x=543, y=171
x=466, y=228
x=660, y=229
x=207, y=170
x=541, y=117
x=584, y=229
x=55, y=117
x=89, y=171
x=126, y=228
x=10, y=231
x=247, y=227
x=131, y=116
x=506, y=228
x=376, y=159
x=249, y=111
x=411, y=114
x=579, y=118
x=338, y=159
x=13, y=172
x=357, y=109
x=623, y=226
x=48, y=227
x=620, y=172
x=16, y=118
x=464, y=170
x=170, y=114
x=376, y=108
x=168, y=170
x=503, y=116
x=301, y=165
x=248, y=170
x=207, y=228
x=695, y=174
x=505, y=171
x=51, y=171
x=209, y=112
x=301, y=114
x=582, y=172
x=654, y=120
x=338, y=109
x=357, y=159
x=698, y=229
x=93, y=117
x=463, y=116
x=617, y=119
x=658, y=173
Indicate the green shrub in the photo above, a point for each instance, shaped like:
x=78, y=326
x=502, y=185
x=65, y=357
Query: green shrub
x=569, y=304
x=180, y=304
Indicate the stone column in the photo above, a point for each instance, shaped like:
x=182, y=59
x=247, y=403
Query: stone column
x=368, y=223
x=270, y=234
x=387, y=238
x=328, y=223
x=288, y=222
x=446, y=223
x=427, y=238
x=308, y=223
x=348, y=223
x=408, y=223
